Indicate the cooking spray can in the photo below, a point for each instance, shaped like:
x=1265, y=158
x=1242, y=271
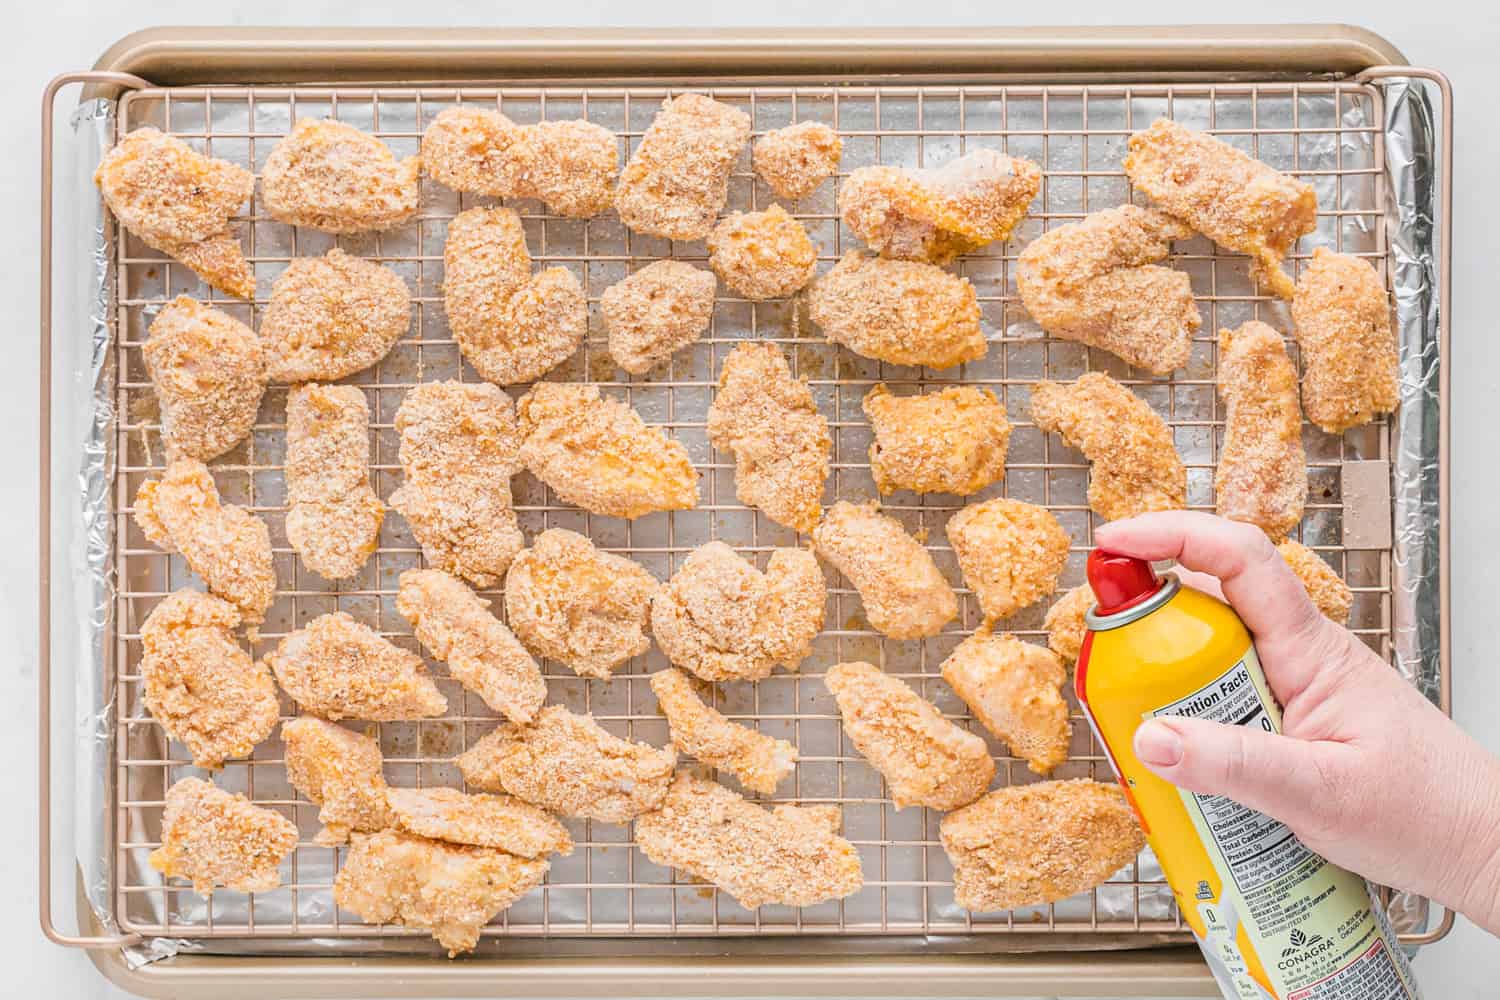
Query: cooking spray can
x=1274, y=920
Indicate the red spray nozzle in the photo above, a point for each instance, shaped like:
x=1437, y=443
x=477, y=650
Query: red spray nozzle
x=1120, y=581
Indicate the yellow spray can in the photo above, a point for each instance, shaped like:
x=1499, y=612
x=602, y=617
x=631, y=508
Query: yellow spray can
x=1274, y=920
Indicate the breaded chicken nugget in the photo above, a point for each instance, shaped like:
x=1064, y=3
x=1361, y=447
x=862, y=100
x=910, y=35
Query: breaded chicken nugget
x=339, y=770
x=459, y=448
x=1262, y=473
x=568, y=165
x=226, y=545
x=786, y=855
x=1233, y=199
x=1326, y=588
x=513, y=826
x=758, y=760
x=1013, y=689
x=950, y=441
x=180, y=202
x=779, y=440
x=762, y=255
x=678, y=179
x=794, y=160
x=905, y=595
x=597, y=453
x=1011, y=553
x=209, y=374
x=1135, y=467
x=219, y=840
x=339, y=668
x=1064, y=622
x=333, y=517
x=1097, y=282
x=1342, y=320
x=1032, y=844
x=333, y=177
x=569, y=764
x=454, y=624
x=900, y=311
x=655, y=312
x=332, y=316
x=198, y=681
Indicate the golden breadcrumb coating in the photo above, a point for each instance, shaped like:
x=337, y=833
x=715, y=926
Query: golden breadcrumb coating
x=905, y=595
x=571, y=602
x=568, y=165
x=678, y=179
x=452, y=890
x=459, y=448
x=723, y=619
x=200, y=683
x=1098, y=282
x=1014, y=690
x=1032, y=844
x=1235, y=200
x=758, y=760
x=511, y=325
x=780, y=441
x=597, y=453
x=333, y=177
x=938, y=213
x=455, y=625
x=339, y=770
x=226, y=545
x=794, y=160
x=1262, y=472
x=762, y=255
x=1011, y=553
x=901, y=311
x=1323, y=584
x=950, y=441
x=219, y=840
x=1134, y=465
x=925, y=759
x=333, y=516
x=1064, y=622
x=1342, y=321
x=339, y=668
x=786, y=855
x=332, y=316
x=513, y=826
x=655, y=312
x=209, y=374
x=180, y=202
x=569, y=764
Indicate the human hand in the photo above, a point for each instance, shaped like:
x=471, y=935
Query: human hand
x=1366, y=771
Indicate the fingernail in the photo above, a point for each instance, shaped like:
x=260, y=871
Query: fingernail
x=1157, y=744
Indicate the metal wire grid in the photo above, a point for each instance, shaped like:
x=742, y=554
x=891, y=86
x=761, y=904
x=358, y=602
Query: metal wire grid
x=1326, y=132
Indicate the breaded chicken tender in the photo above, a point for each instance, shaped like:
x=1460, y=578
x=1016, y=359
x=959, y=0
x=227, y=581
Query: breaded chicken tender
x=1032, y=844
x=1342, y=321
x=1326, y=588
x=1098, y=282
x=758, y=760
x=950, y=441
x=722, y=619
x=180, y=202
x=339, y=770
x=762, y=255
x=200, y=683
x=209, y=374
x=767, y=419
x=656, y=312
x=218, y=840
x=571, y=602
x=1135, y=466
x=570, y=764
x=900, y=311
x=786, y=855
x=1235, y=200
x=333, y=517
x=452, y=890
x=597, y=453
x=938, y=213
x=459, y=448
x=905, y=595
x=226, y=545
x=1014, y=690
x=794, y=160
x=678, y=179
x=511, y=325
x=1262, y=472
x=454, y=624
x=332, y=316
x=1064, y=622
x=509, y=824
x=1011, y=553
x=339, y=668
x=331, y=176
x=568, y=165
